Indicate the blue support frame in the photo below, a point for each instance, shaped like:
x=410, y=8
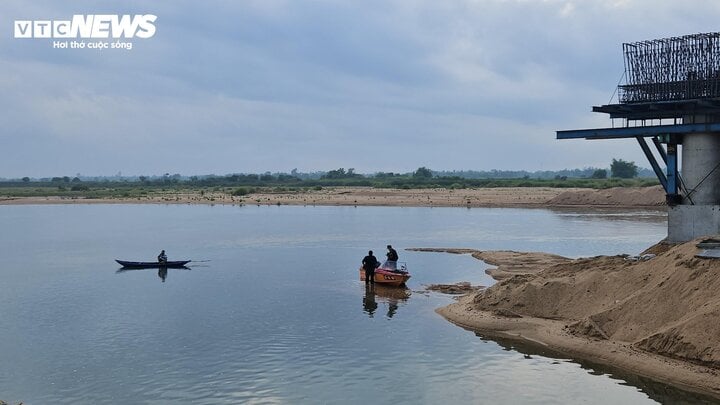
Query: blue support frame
x=634, y=132
x=660, y=149
x=671, y=134
x=671, y=188
x=653, y=162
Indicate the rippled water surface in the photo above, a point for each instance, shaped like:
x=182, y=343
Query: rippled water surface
x=278, y=315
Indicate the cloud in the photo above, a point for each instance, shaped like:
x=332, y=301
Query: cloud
x=378, y=85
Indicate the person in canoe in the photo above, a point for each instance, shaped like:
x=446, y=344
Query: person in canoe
x=392, y=258
x=162, y=257
x=369, y=263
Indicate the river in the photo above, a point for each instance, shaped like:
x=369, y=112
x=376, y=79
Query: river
x=272, y=310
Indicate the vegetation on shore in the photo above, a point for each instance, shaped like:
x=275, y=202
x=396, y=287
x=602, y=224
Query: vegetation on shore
x=243, y=187
x=239, y=185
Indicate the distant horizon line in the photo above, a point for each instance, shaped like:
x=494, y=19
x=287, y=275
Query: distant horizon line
x=296, y=173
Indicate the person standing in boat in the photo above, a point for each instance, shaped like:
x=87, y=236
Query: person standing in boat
x=162, y=257
x=369, y=264
x=392, y=258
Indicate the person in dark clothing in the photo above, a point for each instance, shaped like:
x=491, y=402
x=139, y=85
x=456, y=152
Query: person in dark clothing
x=162, y=257
x=369, y=264
x=392, y=258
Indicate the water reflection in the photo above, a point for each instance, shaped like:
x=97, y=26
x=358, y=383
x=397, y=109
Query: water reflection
x=369, y=303
x=657, y=391
x=646, y=215
x=392, y=296
x=162, y=272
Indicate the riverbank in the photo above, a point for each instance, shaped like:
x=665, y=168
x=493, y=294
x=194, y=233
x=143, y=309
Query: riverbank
x=367, y=196
x=658, y=318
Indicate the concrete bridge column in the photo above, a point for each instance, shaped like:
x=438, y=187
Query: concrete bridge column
x=699, y=212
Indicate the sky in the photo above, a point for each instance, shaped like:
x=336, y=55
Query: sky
x=272, y=85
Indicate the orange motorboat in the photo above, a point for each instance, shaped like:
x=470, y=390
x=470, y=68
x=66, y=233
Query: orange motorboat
x=394, y=278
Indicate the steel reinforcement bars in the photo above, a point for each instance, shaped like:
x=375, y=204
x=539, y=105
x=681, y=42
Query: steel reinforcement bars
x=678, y=68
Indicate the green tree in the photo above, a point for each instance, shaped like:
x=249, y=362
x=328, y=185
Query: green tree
x=622, y=169
x=383, y=175
x=599, y=174
x=26, y=179
x=336, y=174
x=423, y=173
x=240, y=192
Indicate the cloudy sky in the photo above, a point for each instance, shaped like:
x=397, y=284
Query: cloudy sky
x=249, y=86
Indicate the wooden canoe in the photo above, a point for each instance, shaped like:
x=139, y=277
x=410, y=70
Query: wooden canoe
x=147, y=265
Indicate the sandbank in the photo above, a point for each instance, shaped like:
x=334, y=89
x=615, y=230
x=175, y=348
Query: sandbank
x=657, y=318
x=529, y=197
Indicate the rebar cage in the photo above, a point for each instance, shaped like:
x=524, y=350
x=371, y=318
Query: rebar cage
x=677, y=68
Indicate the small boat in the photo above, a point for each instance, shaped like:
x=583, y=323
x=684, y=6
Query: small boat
x=394, y=278
x=147, y=265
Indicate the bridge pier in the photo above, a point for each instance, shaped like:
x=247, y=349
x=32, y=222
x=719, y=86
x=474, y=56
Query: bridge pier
x=698, y=214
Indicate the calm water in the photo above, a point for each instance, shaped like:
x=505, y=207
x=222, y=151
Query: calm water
x=278, y=315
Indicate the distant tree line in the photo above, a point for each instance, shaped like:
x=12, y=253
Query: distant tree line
x=341, y=176
x=586, y=173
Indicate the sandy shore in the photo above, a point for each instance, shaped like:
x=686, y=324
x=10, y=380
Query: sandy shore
x=658, y=318
x=367, y=196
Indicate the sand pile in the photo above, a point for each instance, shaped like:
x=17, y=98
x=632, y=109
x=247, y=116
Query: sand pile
x=511, y=263
x=618, y=196
x=668, y=305
x=659, y=317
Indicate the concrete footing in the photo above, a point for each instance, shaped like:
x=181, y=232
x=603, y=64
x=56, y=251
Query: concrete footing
x=687, y=222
